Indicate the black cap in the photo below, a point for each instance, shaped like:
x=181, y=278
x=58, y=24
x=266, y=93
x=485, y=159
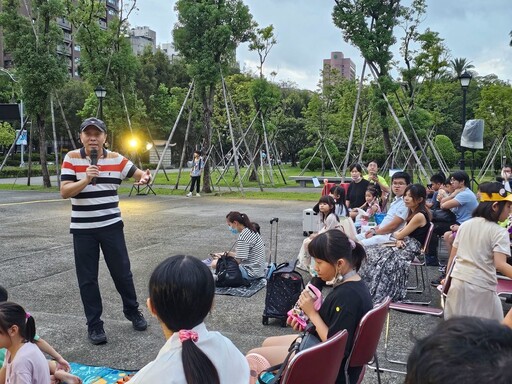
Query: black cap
x=93, y=122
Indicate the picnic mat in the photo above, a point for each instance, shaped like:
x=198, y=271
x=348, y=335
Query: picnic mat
x=255, y=286
x=98, y=375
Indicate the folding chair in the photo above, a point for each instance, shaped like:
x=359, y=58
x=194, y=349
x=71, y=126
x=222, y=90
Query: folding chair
x=142, y=189
x=366, y=340
x=420, y=263
x=318, y=364
x=417, y=310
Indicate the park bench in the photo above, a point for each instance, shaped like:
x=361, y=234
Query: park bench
x=303, y=180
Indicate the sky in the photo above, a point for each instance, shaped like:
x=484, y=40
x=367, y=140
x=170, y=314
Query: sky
x=477, y=30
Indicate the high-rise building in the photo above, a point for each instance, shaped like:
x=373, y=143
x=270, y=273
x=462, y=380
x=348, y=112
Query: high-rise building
x=343, y=65
x=68, y=48
x=142, y=37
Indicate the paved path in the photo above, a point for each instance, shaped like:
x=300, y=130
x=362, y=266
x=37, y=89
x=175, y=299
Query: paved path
x=36, y=266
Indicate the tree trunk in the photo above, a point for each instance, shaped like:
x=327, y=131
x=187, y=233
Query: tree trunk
x=207, y=121
x=42, y=150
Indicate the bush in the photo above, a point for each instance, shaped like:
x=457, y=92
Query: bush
x=315, y=164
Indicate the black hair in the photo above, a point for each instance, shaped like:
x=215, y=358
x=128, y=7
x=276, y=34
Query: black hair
x=373, y=191
x=462, y=350
x=417, y=192
x=242, y=218
x=181, y=290
x=340, y=191
x=327, y=200
x=356, y=166
x=3, y=294
x=484, y=208
x=198, y=152
x=257, y=228
x=460, y=176
x=401, y=175
x=437, y=178
x=334, y=245
x=14, y=314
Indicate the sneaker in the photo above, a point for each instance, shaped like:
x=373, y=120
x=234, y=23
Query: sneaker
x=198, y=195
x=437, y=281
x=189, y=194
x=97, y=336
x=138, y=321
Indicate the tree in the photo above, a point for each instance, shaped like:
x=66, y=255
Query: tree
x=41, y=71
x=206, y=35
x=459, y=66
x=495, y=107
x=7, y=134
x=262, y=42
x=107, y=59
x=374, y=40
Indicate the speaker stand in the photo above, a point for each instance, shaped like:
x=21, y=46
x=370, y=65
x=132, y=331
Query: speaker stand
x=473, y=181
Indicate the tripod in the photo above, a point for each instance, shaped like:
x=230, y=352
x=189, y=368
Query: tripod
x=473, y=181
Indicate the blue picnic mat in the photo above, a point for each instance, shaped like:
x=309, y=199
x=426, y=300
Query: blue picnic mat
x=98, y=375
x=248, y=291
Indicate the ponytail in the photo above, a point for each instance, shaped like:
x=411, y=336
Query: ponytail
x=198, y=368
x=242, y=218
x=333, y=245
x=14, y=314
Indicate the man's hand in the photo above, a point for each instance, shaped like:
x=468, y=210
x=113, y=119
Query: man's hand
x=146, y=178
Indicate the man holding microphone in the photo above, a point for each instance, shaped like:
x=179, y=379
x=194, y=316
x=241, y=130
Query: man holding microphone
x=91, y=177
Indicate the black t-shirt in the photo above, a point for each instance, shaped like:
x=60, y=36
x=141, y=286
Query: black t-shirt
x=343, y=308
x=356, y=193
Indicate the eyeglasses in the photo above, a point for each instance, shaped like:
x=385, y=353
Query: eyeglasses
x=400, y=184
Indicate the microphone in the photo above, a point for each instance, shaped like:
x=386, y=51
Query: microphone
x=94, y=161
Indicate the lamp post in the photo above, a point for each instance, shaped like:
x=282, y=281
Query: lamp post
x=100, y=92
x=464, y=79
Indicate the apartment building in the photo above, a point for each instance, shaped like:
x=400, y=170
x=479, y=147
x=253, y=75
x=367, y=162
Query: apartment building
x=68, y=48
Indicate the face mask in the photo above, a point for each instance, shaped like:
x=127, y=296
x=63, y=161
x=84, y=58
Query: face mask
x=356, y=178
x=232, y=230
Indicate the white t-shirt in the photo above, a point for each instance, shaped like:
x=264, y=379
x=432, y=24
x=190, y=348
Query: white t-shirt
x=167, y=368
x=476, y=241
x=29, y=366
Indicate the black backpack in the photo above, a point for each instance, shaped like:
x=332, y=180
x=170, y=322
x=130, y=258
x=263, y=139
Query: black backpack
x=228, y=273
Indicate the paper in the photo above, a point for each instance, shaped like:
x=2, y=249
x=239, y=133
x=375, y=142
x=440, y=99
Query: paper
x=316, y=183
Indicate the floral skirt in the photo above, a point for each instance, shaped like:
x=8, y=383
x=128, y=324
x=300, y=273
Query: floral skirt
x=386, y=269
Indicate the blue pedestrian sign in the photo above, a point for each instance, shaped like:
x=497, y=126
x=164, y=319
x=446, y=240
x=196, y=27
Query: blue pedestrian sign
x=22, y=139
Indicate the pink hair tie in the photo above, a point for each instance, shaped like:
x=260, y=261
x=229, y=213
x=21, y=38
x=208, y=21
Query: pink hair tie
x=188, y=335
x=27, y=315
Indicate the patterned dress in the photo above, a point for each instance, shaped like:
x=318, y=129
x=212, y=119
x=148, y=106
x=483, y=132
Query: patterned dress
x=386, y=269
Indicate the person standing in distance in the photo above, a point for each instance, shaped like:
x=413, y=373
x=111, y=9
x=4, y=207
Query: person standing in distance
x=92, y=185
x=195, y=173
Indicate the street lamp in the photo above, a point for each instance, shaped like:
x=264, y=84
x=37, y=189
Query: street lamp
x=464, y=79
x=100, y=92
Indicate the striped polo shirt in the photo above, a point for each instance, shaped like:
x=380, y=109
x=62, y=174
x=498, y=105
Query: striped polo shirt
x=96, y=206
x=250, y=251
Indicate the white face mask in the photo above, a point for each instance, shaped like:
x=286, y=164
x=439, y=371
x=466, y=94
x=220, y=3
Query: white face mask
x=356, y=178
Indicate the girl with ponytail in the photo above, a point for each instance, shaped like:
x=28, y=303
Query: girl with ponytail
x=337, y=262
x=24, y=362
x=181, y=291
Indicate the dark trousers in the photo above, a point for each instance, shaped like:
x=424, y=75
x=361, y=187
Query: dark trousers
x=439, y=230
x=195, y=180
x=87, y=255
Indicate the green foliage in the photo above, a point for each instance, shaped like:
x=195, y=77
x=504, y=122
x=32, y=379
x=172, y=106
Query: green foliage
x=446, y=149
x=7, y=134
x=262, y=42
x=314, y=165
x=264, y=94
x=495, y=108
x=207, y=33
